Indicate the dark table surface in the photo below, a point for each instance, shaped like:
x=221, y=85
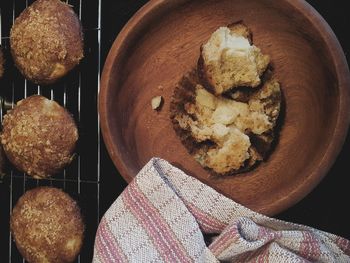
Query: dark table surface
x=326, y=207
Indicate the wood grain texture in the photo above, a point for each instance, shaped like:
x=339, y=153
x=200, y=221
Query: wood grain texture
x=161, y=43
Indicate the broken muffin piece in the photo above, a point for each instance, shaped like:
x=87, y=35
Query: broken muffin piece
x=229, y=60
x=46, y=41
x=47, y=226
x=225, y=135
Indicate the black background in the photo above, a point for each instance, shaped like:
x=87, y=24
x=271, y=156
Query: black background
x=327, y=206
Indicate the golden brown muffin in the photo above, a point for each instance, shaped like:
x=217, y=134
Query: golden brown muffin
x=46, y=41
x=2, y=62
x=47, y=226
x=225, y=135
x=39, y=136
x=229, y=60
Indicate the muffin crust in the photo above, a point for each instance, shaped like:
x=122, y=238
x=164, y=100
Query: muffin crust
x=39, y=136
x=225, y=135
x=46, y=41
x=47, y=226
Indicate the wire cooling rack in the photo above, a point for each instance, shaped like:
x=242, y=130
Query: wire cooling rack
x=78, y=93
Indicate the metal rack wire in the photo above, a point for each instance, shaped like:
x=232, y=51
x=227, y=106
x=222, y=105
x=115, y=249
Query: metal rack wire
x=78, y=92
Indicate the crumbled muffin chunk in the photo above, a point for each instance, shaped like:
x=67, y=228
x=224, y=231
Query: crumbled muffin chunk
x=223, y=134
x=229, y=60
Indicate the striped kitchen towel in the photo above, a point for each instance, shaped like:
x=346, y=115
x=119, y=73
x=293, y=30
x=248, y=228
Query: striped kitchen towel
x=165, y=215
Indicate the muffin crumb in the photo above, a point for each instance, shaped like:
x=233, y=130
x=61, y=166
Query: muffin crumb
x=156, y=102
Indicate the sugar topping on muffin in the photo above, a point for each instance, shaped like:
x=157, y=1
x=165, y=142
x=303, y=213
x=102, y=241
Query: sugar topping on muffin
x=47, y=226
x=46, y=41
x=39, y=136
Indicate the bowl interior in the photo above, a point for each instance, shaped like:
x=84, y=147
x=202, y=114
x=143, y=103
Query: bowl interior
x=162, y=43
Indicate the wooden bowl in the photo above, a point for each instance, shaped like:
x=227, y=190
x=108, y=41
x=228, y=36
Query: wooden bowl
x=161, y=43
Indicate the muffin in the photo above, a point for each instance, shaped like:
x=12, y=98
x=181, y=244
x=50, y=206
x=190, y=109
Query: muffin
x=229, y=60
x=226, y=135
x=47, y=226
x=46, y=41
x=226, y=110
x=39, y=136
